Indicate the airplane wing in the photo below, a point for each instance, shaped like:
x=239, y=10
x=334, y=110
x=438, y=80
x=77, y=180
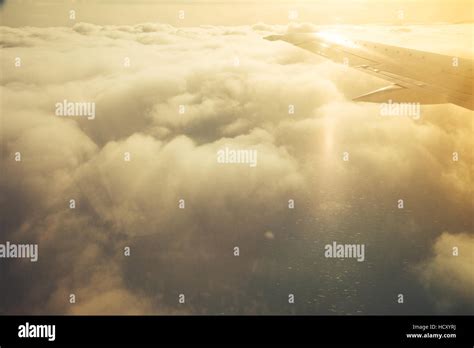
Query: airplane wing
x=415, y=76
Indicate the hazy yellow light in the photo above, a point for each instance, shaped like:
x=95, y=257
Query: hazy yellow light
x=335, y=38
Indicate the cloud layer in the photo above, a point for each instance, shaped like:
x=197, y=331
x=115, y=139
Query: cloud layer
x=236, y=90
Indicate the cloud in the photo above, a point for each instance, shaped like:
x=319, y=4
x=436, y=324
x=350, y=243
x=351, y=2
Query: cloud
x=449, y=273
x=236, y=89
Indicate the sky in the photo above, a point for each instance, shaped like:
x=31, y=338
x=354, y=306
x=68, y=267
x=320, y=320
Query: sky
x=47, y=13
x=190, y=251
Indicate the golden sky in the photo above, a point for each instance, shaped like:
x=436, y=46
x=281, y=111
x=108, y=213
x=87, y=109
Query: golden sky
x=213, y=12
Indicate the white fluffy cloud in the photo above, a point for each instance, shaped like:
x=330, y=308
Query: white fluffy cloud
x=173, y=156
x=449, y=274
